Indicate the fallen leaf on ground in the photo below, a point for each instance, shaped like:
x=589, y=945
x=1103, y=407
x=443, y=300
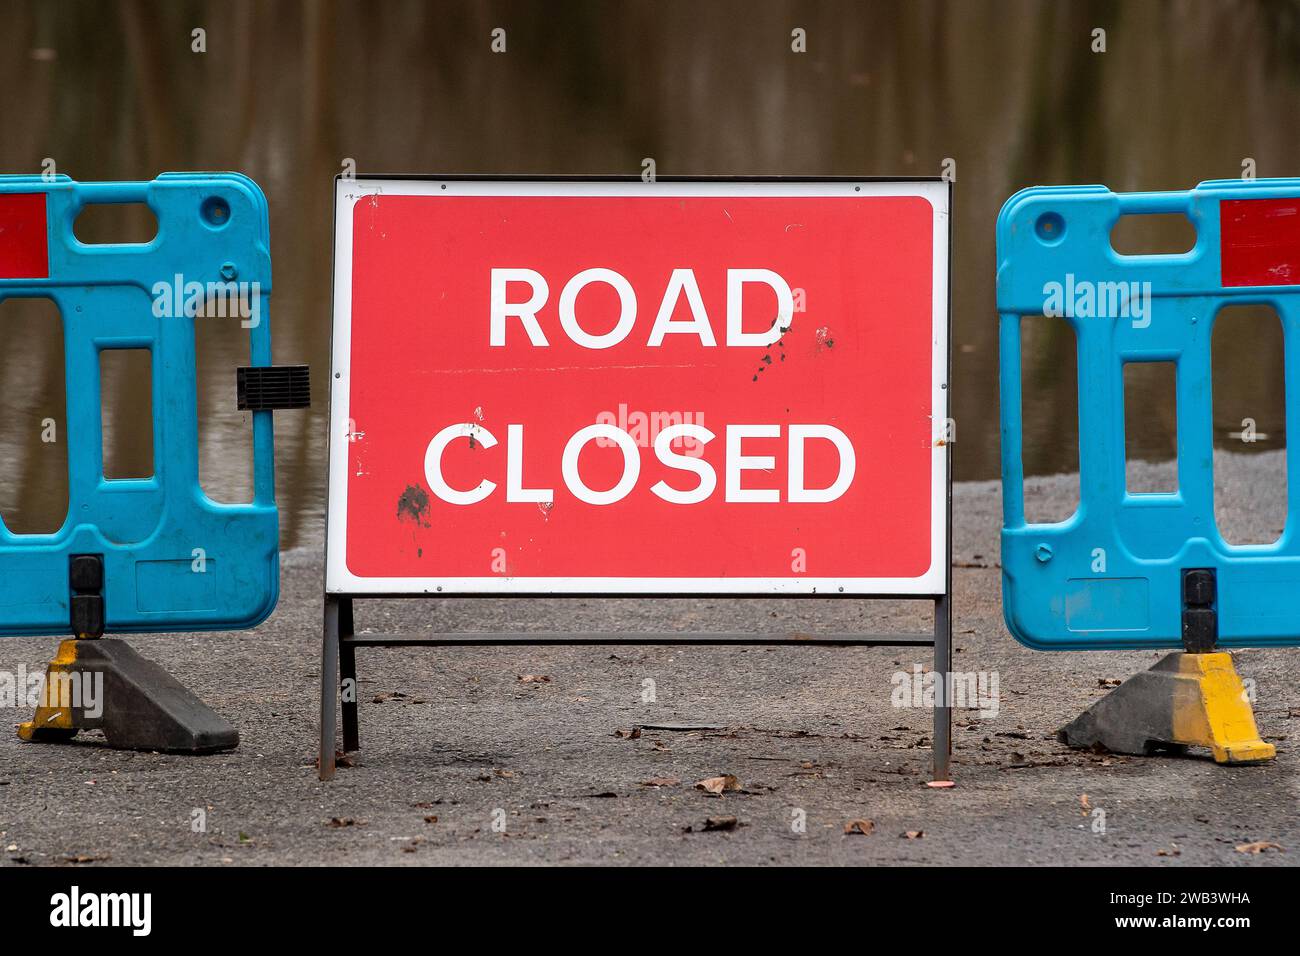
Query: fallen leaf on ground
x=84, y=858
x=430, y=819
x=865, y=827
x=633, y=734
x=1259, y=846
x=1172, y=851
x=716, y=785
x=340, y=760
x=660, y=782
x=720, y=823
x=914, y=834
x=534, y=679
x=339, y=822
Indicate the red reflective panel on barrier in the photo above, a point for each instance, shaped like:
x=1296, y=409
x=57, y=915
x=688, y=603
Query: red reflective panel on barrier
x=23, y=240
x=1259, y=242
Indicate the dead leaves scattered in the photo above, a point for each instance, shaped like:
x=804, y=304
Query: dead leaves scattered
x=864, y=827
x=338, y=823
x=341, y=760
x=808, y=769
x=661, y=782
x=720, y=823
x=914, y=834
x=715, y=824
x=1258, y=847
x=718, y=785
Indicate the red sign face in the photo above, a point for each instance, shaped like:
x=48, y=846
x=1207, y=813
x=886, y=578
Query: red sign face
x=633, y=387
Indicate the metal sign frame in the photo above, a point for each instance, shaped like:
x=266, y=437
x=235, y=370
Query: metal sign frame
x=340, y=639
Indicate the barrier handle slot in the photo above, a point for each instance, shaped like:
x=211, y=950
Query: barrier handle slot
x=1141, y=204
x=112, y=193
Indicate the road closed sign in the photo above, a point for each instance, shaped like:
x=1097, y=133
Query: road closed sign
x=627, y=387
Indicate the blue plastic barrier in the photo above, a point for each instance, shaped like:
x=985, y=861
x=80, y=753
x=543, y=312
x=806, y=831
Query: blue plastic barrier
x=172, y=559
x=1053, y=248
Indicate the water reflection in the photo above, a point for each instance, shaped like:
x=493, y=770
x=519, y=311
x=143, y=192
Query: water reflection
x=1012, y=91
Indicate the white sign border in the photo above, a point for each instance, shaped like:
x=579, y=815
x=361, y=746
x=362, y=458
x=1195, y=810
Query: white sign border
x=340, y=580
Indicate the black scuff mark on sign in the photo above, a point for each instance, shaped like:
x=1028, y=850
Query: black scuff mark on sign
x=413, y=505
x=767, y=357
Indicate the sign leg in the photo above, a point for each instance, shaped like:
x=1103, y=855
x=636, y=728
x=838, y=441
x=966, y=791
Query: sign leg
x=348, y=668
x=943, y=666
x=329, y=686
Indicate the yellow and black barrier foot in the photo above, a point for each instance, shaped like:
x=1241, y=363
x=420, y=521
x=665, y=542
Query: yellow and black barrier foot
x=103, y=684
x=1185, y=700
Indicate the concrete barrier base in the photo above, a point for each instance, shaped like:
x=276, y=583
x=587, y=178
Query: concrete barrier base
x=1185, y=700
x=103, y=684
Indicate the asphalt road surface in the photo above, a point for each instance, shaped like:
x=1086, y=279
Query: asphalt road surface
x=531, y=755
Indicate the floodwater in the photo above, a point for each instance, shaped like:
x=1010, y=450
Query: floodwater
x=287, y=92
